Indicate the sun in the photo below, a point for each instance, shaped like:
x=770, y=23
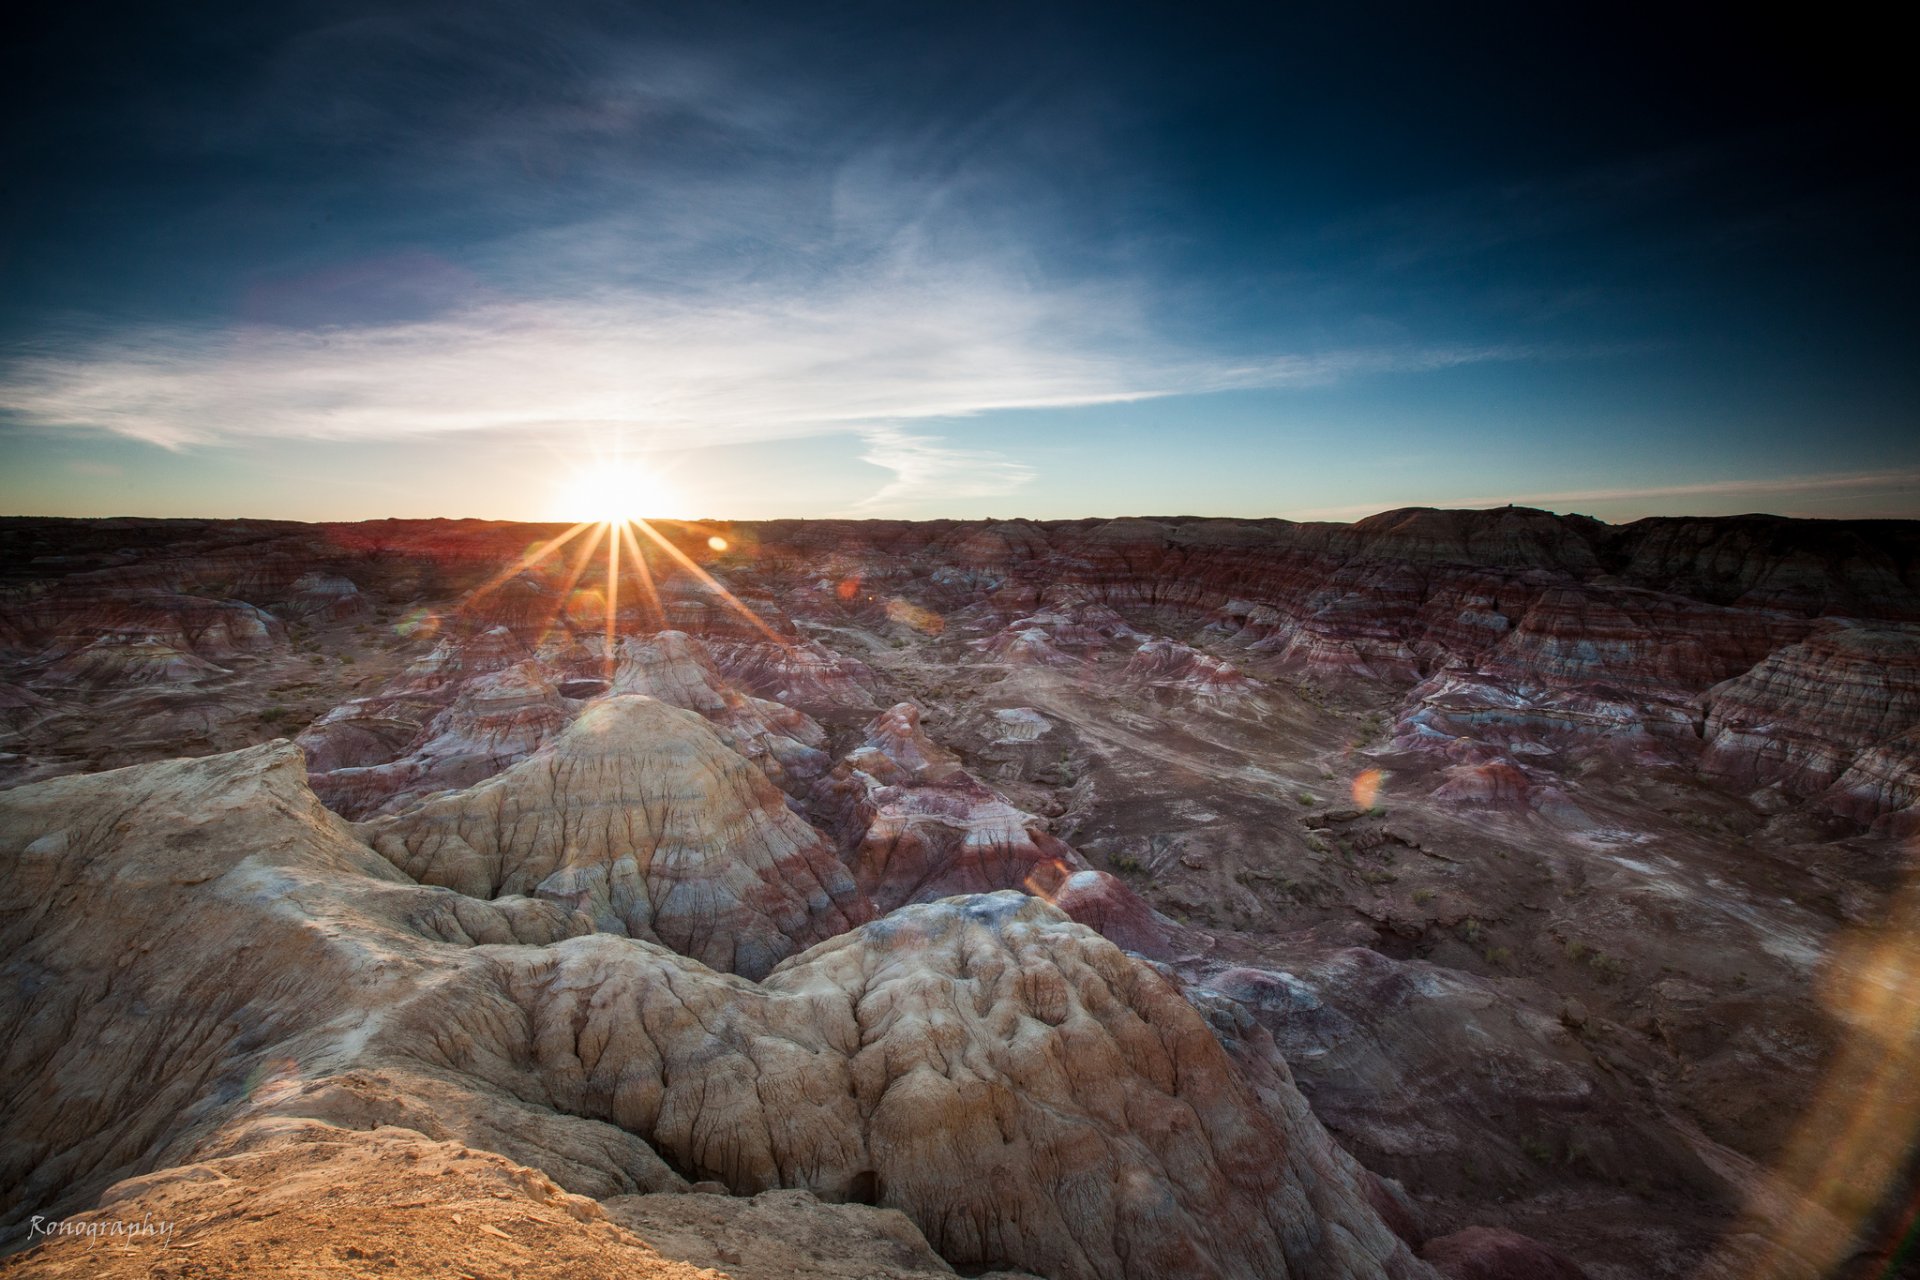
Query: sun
x=615, y=492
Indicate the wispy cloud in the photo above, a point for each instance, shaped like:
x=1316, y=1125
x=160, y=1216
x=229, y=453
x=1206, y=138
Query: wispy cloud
x=926, y=468
x=875, y=348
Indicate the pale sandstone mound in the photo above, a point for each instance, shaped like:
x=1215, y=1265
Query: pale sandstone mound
x=477, y=704
x=205, y=948
x=303, y=1199
x=455, y=660
x=676, y=669
x=641, y=817
x=1025, y=1091
x=1071, y=629
x=326, y=598
x=1027, y=646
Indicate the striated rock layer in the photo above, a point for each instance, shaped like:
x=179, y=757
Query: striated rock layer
x=1028, y=1094
x=639, y=817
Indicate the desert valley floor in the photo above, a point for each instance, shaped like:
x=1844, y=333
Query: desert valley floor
x=1482, y=894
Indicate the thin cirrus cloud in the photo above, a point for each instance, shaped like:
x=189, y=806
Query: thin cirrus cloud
x=873, y=356
x=926, y=468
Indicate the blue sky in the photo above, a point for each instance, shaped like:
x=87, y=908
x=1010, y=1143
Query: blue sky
x=341, y=261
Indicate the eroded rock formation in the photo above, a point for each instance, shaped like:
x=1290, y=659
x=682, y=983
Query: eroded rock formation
x=642, y=819
x=1529, y=841
x=1023, y=1090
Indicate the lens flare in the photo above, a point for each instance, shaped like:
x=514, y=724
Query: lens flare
x=717, y=543
x=925, y=621
x=1366, y=788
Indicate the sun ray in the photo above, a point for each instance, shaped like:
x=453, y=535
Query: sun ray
x=645, y=572
x=713, y=585
x=527, y=561
x=574, y=570
x=613, y=595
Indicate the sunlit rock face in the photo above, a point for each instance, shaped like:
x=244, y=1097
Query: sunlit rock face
x=1024, y=1091
x=677, y=669
x=953, y=1061
x=639, y=817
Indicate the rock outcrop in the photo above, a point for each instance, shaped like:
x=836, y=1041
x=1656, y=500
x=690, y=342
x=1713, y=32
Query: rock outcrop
x=1804, y=715
x=1025, y=1092
x=919, y=827
x=641, y=818
x=496, y=720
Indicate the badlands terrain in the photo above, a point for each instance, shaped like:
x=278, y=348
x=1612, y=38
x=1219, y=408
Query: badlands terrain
x=1491, y=895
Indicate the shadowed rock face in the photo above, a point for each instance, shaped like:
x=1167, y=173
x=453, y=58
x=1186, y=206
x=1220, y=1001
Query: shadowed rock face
x=1488, y=1253
x=494, y=720
x=1803, y=716
x=919, y=827
x=1024, y=1091
x=1536, y=846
